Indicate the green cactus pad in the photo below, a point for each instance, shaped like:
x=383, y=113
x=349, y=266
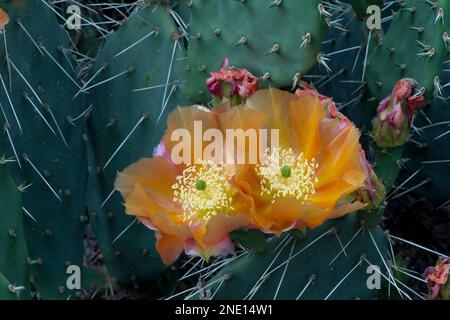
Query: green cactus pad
x=313, y=271
x=258, y=35
x=40, y=86
x=126, y=124
x=413, y=47
x=14, y=254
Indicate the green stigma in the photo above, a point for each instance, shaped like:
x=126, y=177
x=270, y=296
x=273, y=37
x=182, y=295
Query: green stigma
x=286, y=171
x=200, y=185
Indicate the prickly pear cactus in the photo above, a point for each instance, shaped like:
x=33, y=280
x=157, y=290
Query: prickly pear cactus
x=77, y=108
x=139, y=80
x=40, y=132
x=278, y=55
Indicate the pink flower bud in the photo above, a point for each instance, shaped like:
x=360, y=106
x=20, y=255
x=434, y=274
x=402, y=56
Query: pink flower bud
x=438, y=279
x=373, y=192
x=232, y=83
x=394, y=115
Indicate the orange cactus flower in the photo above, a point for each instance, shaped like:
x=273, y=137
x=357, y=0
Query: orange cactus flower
x=310, y=173
x=314, y=173
x=193, y=205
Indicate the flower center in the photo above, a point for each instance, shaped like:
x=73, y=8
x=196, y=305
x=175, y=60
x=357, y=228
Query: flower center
x=285, y=175
x=204, y=191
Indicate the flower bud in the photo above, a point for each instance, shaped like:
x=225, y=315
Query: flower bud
x=232, y=84
x=373, y=192
x=438, y=279
x=394, y=115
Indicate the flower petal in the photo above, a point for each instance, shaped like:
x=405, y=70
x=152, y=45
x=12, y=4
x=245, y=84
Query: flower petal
x=306, y=116
x=169, y=246
x=275, y=104
x=140, y=204
x=217, y=228
x=245, y=137
x=313, y=216
x=339, y=156
x=329, y=195
x=155, y=175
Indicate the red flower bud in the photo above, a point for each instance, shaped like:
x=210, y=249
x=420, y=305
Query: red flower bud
x=438, y=279
x=373, y=192
x=232, y=83
x=394, y=115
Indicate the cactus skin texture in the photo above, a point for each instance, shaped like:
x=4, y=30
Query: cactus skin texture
x=346, y=51
x=183, y=9
x=55, y=240
x=14, y=253
x=413, y=47
x=267, y=41
x=5, y=291
x=127, y=245
x=310, y=260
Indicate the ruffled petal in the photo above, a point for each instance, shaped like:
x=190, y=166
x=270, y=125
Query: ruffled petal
x=169, y=246
x=339, y=157
x=307, y=114
x=278, y=217
x=243, y=142
x=313, y=216
x=274, y=103
x=217, y=228
x=140, y=204
x=155, y=175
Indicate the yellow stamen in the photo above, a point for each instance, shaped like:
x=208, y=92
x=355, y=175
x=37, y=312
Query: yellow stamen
x=285, y=175
x=204, y=191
